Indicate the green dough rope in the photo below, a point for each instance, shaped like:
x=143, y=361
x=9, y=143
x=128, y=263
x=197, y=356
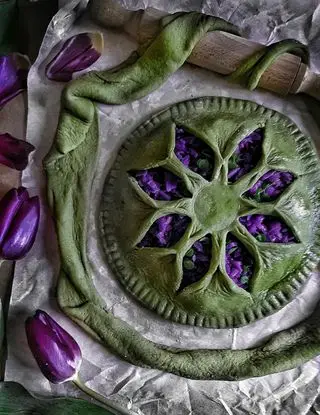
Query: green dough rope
x=254, y=67
x=70, y=167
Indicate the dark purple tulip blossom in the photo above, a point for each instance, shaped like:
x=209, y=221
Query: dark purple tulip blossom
x=19, y=222
x=246, y=155
x=13, y=76
x=266, y=228
x=14, y=153
x=165, y=231
x=56, y=352
x=194, y=153
x=239, y=263
x=77, y=53
x=270, y=186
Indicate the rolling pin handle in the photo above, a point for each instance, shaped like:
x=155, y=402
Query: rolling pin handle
x=309, y=83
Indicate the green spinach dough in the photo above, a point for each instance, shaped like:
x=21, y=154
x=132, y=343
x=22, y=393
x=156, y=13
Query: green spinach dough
x=70, y=167
x=154, y=274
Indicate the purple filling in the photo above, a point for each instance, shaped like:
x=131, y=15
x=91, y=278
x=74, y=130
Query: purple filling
x=161, y=184
x=268, y=229
x=194, y=153
x=196, y=262
x=270, y=186
x=165, y=231
x=239, y=263
x=246, y=155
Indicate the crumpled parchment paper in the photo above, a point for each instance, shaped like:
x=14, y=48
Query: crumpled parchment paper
x=148, y=391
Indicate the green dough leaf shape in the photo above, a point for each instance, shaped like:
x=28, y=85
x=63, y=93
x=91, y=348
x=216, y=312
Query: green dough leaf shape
x=15, y=399
x=70, y=169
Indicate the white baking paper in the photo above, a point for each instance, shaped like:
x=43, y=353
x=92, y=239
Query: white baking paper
x=148, y=391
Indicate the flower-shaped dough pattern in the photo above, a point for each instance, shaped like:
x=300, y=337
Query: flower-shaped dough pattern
x=197, y=156
x=208, y=213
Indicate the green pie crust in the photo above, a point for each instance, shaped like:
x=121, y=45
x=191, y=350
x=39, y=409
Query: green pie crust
x=70, y=167
x=153, y=275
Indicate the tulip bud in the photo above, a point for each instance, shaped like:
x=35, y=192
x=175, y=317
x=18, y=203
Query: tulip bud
x=19, y=222
x=56, y=352
x=13, y=76
x=77, y=53
x=13, y=152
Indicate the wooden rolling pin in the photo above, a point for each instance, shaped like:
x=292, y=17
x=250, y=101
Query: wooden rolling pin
x=217, y=51
x=223, y=53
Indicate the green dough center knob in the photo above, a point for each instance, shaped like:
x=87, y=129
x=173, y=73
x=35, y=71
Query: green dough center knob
x=216, y=206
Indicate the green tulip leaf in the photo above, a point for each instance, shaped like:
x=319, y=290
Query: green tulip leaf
x=14, y=399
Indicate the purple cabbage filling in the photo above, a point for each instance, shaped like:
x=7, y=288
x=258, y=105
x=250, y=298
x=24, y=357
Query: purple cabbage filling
x=165, y=231
x=268, y=229
x=196, y=262
x=161, y=184
x=270, y=186
x=194, y=153
x=239, y=263
x=246, y=155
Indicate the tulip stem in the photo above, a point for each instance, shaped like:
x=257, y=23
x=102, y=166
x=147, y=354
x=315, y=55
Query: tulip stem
x=110, y=405
x=1, y=261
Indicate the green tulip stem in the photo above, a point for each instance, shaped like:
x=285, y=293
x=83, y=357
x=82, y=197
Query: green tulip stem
x=1, y=262
x=108, y=404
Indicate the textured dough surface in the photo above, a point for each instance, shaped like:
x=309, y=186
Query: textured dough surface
x=154, y=274
x=70, y=168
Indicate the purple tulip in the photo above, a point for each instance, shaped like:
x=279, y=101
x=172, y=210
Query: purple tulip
x=14, y=152
x=56, y=352
x=13, y=76
x=77, y=53
x=19, y=222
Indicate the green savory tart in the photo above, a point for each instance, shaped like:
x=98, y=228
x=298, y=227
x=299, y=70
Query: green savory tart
x=209, y=214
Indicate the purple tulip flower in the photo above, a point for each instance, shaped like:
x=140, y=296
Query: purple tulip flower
x=77, y=53
x=19, y=222
x=13, y=76
x=14, y=152
x=56, y=352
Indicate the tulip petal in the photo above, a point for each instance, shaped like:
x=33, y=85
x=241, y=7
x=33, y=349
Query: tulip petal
x=13, y=76
x=77, y=53
x=22, y=233
x=14, y=152
x=9, y=206
x=56, y=352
